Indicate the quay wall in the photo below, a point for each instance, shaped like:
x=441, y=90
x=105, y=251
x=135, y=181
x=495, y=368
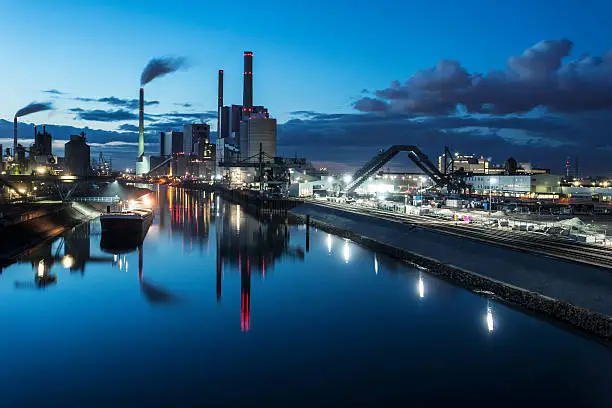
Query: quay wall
x=586, y=310
x=33, y=225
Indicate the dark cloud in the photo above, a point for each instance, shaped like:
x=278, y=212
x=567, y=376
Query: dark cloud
x=100, y=115
x=131, y=104
x=126, y=127
x=183, y=105
x=545, y=141
x=192, y=115
x=53, y=92
x=536, y=78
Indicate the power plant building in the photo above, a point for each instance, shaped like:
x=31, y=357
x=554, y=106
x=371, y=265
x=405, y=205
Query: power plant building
x=255, y=132
x=170, y=143
x=42, y=142
x=77, y=153
x=193, y=134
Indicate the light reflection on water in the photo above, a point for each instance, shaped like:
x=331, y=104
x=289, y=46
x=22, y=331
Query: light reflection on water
x=218, y=304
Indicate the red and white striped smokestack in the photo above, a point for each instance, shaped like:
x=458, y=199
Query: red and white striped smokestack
x=247, y=95
x=219, y=103
x=141, y=124
x=14, y=136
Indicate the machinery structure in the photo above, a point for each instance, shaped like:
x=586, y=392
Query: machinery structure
x=417, y=157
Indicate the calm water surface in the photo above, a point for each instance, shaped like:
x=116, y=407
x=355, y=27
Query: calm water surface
x=218, y=308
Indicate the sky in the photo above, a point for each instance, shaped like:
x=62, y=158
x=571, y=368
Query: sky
x=527, y=79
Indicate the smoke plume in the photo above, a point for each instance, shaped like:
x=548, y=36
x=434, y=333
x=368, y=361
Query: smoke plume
x=33, y=108
x=161, y=66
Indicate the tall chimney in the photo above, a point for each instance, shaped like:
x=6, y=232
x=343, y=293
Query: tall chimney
x=14, y=136
x=35, y=132
x=219, y=103
x=247, y=95
x=141, y=125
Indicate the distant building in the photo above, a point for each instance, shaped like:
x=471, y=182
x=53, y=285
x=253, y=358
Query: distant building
x=464, y=163
x=255, y=132
x=470, y=164
x=77, y=154
x=195, y=133
x=226, y=124
x=514, y=184
x=42, y=143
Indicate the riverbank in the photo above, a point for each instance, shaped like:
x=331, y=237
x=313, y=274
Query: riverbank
x=28, y=225
x=580, y=295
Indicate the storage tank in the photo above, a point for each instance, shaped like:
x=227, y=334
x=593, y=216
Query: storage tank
x=77, y=156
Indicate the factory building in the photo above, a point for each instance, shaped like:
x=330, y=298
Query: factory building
x=255, y=132
x=77, y=156
x=514, y=184
x=193, y=134
x=170, y=143
x=471, y=164
x=42, y=142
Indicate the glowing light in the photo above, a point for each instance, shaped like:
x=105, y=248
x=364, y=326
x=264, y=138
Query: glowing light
x=375, y=264
x=421, y=287
x=67, y=261
x=238, y=218
x=41, y=268
x=41, y=170
x=490, y=325
x=329, y=243
x=146, y=201
x=347, y=252
x=120, y=264
x=347, y=178
x=21, y=190
x=115, y=258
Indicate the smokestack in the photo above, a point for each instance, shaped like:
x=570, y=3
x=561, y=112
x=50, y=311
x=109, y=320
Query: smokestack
x=247, y=95
x=44, y=129
x=219, y=103
x=141, y=124
x=14, y=136
x=35, y=132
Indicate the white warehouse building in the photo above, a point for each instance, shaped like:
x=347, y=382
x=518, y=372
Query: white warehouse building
x=518, y=184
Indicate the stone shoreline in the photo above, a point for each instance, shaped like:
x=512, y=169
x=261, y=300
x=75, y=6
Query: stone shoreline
x=586, y=320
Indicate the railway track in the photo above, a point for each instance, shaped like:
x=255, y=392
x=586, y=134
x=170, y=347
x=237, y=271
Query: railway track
x=520, y=241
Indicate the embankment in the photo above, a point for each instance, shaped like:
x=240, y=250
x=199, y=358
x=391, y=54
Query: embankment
x=27, y=225
x=576, y=294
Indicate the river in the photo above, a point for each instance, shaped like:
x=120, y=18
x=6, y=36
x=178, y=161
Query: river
x=221, y=308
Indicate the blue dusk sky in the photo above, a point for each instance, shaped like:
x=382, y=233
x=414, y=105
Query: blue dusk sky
x=530, y=79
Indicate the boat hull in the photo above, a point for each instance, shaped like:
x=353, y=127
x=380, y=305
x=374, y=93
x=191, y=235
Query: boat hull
x=124, y=233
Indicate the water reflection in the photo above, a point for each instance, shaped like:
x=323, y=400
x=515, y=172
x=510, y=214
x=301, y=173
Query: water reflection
x=421, y=286
x=489, y=318
x=244, y=243
x=70, y=252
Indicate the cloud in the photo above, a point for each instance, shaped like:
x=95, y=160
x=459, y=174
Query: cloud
x=536, y=78
x=183, y=105
x=100, y=115
x=126, y=127
x=54, y=92
x=191, y=115
x=131, y=104
x=546, y=141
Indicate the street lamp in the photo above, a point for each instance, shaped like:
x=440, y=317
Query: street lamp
x=491, y=181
